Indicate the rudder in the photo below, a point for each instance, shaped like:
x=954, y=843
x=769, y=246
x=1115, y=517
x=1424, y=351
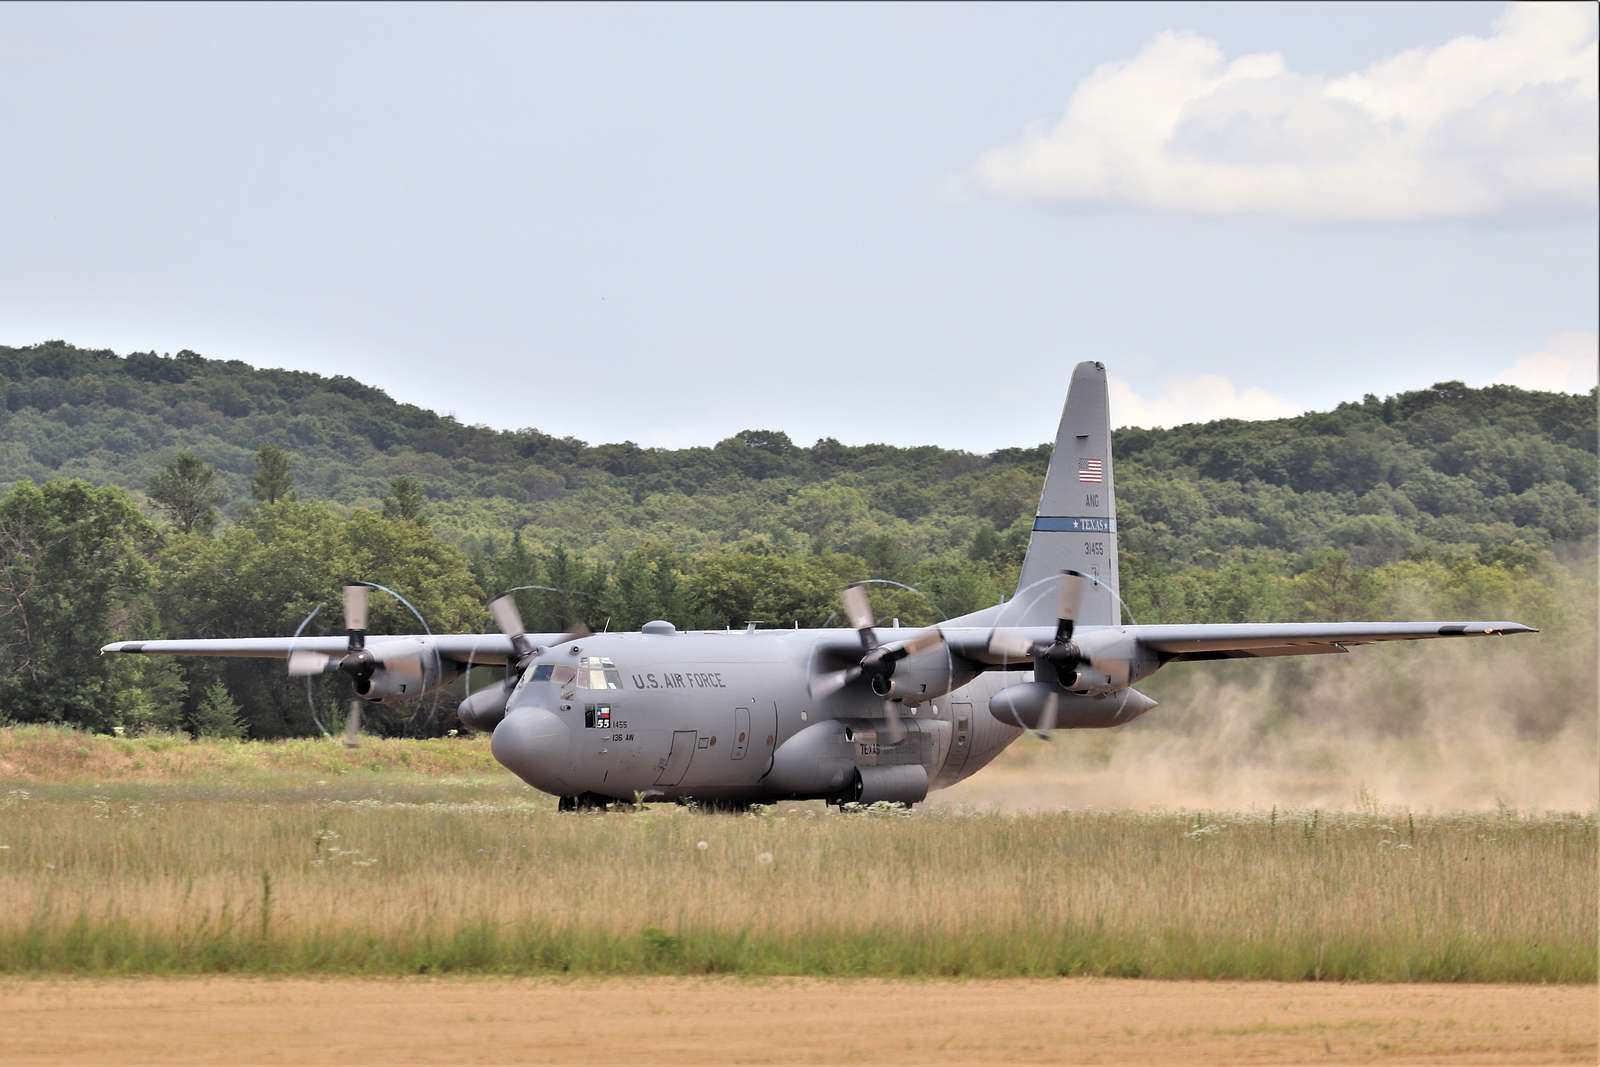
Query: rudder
x=1076, y=524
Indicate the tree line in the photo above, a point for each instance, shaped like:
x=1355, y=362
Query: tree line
x=134, y=510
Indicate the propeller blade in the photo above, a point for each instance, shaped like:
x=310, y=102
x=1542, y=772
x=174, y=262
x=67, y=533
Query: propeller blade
x=308, y=663
x=825, y=685
x=920, y=642
x=579, y=631
x=1070, y=593
x=1010, y=644
x=930, y=638
x=892, y=724
x=1047, y=717
x=352, y=724
x=305, y=662
x=355, y=612
x=356, y=615
x=507, y=617
x=857, y=608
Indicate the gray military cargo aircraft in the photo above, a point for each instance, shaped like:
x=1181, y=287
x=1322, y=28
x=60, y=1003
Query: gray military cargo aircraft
x=864, y=713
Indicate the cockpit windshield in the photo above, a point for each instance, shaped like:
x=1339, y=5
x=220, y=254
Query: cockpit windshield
x=592, y=672
x=598, y=672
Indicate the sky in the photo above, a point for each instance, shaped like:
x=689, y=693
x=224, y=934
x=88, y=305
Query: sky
x=904, y=224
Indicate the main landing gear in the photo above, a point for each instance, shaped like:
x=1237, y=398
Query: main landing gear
x=586, y=802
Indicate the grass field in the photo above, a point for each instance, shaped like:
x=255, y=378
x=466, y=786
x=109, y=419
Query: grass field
x=404, y=857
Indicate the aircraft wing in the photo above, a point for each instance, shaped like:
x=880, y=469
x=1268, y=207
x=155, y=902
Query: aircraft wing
x=1206, y=641
x=1246, y=640
x=460, y=648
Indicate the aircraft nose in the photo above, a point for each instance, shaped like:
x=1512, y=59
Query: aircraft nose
x=534, y=745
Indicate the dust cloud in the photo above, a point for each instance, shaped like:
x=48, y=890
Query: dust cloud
x=1457, y=725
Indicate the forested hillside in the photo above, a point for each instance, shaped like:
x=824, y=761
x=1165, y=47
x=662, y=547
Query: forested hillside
x=1472, y=500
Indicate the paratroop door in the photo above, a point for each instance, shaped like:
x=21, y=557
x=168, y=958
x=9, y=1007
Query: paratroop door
x=741, y=732
x=961, y=737
x=678, y=758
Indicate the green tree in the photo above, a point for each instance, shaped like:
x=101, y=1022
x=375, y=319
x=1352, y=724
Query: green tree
x=266, y=573
x=74, y=575
x=405, y=500
x=217, y=715
x=272, y=481
x=186, y=490
x=1335, y=588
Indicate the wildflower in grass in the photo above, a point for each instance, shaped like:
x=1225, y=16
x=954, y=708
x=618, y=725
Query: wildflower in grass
x=764, y=858
x=702, y=845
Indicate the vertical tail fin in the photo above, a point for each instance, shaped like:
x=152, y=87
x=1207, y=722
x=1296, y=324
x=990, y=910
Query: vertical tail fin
x=1076, y=527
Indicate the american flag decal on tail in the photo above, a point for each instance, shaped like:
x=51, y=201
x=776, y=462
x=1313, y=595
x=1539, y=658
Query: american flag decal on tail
x=1092, y=471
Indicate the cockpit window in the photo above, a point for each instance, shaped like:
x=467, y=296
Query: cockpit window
x=548, y=672
x=598, y=672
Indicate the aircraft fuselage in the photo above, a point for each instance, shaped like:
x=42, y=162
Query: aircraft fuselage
x=730, y=716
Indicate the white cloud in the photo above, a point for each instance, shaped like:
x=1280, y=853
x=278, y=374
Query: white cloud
x=1196, y=399
x=1475, y=126
x=1569, y=363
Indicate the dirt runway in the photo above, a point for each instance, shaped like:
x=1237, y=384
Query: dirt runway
x=784, y=1021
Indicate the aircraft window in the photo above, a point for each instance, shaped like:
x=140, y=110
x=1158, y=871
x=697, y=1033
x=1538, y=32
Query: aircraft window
x=598, y=672
x=541, y=673
x=565, y=675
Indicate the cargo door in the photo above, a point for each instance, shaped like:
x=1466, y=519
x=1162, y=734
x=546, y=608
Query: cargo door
x=741, y=732
x=763, y=734
x=677, y=762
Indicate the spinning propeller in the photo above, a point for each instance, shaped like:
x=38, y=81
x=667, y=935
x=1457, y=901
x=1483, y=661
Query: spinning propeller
x=523, y=650
x=357, y=662
x=877, y=662
x=407, y=664
x=1061, y=652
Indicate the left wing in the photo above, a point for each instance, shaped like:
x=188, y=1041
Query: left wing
x=1174, y=644
x=1205, y=641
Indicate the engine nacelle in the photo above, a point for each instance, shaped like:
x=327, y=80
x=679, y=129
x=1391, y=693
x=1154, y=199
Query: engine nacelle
x=1024, y=705
x=404, y=670
x=920, y=684
x=483, y=710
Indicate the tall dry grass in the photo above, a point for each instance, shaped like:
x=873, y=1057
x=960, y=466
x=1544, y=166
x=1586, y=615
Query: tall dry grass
x=160, y=880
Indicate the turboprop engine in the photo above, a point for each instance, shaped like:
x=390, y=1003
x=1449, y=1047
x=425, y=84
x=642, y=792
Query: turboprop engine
x=1044, y=706
x=387, y=669
x=485, y=709
x=398, y=669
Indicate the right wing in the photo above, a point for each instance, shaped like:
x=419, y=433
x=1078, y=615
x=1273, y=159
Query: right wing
x=466, y=649
x=1203, y=641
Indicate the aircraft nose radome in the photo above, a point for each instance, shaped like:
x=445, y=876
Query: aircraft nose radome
x=534, y=745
